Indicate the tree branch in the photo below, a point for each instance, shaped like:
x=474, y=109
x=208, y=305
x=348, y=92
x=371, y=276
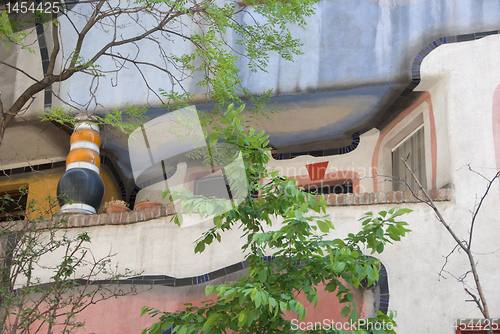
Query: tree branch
x=18, y=69
x=481, y=303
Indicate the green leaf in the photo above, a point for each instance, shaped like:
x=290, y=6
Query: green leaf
x=323, y=226
x=166, y=326
x=241, y=318
x=380, y=247
x=263, y=276
x=354, y=315
x=218, y=221
x=339, y=267
x=345, y=311
x=200, y=247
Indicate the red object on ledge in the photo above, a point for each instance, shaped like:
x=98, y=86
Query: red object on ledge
x=115, y=208
x=317, y=171
x=147, y=205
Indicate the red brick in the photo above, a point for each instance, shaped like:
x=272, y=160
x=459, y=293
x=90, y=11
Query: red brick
x=341, y=199
x=170, y=208
x=398, y=197
x=163, y=210
x=366, y=198
x=103, y=219
x=147, y=214
x=92, y=220
x=357, y=199
x=442, y=194
x=330, y=199
x=390, y=197
x=141, y=216
x=115, y=218
x=131, y=217
x=81, y=220
x=349, y=199
x=433, y=194
x=73, y=220
x=407, y=196
x=156, y=212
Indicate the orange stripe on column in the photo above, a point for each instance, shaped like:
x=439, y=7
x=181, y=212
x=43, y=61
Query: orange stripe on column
x=83, y=154
x=86, y=135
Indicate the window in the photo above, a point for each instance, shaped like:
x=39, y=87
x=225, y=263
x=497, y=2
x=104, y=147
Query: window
x=10, y=209
x=326, y=188
x=209, y=186
x=412, y=149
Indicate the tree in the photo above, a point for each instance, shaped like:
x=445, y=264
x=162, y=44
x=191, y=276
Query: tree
x=303, y=259
x=202, y=30
x=29, y=304
x=476, y=292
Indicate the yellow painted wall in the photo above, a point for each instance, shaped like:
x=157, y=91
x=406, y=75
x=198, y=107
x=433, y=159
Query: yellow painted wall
x=43, y=184
x=112, y=190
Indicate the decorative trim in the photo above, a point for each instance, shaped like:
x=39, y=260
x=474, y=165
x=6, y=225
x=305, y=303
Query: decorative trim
x=84, y=144
x=417, y=61
x=425, y=98
x=84, y=208
x=82, y=164
x=88, y=126
x=383, y=283
x=165, y=280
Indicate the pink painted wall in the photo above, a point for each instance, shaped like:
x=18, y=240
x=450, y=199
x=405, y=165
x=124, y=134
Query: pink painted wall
x=122, y=314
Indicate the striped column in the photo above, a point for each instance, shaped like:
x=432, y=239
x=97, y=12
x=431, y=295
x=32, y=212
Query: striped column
x=81, y=189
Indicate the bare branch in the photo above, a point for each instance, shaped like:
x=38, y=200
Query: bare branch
x=476, y=211
x=481, y=302
x=19, y=70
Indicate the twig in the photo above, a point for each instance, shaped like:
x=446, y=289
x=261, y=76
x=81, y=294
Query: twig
x=481, y=302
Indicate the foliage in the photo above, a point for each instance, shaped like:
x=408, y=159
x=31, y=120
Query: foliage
x=292, y=227
x=127, y=120
x=11, y=31
x=197, y=42
x=29, y=304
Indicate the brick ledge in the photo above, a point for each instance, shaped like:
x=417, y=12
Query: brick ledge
x=131, y=217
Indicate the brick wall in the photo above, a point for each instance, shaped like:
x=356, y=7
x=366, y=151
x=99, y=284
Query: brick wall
x=389, y=197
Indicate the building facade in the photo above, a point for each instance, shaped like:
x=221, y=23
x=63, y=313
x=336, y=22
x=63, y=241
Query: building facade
x=379, y=81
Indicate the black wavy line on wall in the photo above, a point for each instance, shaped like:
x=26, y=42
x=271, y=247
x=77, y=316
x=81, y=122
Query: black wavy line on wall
x=403, y=100
x=322, y=153
x=164, y=280
x=44, y=54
